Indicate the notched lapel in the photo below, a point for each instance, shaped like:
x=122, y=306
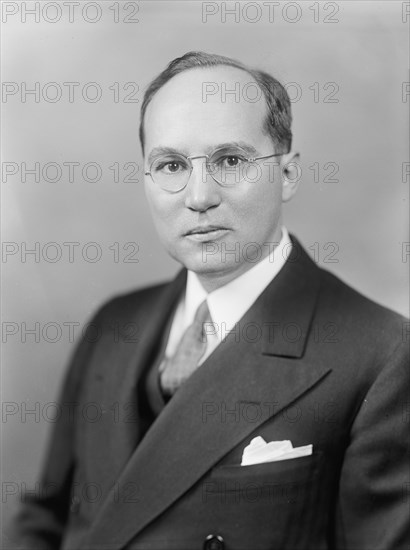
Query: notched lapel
x=289, y=305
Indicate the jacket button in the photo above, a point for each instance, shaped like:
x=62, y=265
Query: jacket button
x=213, y=542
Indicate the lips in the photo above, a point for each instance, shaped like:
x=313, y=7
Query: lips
x=203, y=229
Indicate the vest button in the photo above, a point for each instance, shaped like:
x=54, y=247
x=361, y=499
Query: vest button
x=75, y=504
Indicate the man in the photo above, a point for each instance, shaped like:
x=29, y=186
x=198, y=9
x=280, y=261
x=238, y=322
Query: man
x=264, y=405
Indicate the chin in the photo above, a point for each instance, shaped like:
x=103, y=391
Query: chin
x=201, y=260
x=211, y=265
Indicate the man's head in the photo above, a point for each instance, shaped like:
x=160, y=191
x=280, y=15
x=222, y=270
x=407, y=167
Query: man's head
x=178, y=117
x=278, y=119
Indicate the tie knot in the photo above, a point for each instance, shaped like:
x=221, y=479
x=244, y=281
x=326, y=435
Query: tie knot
x=202, y=316
x=202, y=313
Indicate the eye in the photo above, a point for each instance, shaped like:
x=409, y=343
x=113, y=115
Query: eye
x=169, y=166
x=230, y=160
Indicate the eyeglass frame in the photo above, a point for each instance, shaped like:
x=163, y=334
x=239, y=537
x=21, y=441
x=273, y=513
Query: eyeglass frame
x=189, y=159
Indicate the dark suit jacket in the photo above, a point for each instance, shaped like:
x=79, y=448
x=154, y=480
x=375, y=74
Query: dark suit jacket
x=313, y=361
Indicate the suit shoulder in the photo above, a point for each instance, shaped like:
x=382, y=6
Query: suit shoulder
x=127, y=303
x=359, y=313
x=343, y=298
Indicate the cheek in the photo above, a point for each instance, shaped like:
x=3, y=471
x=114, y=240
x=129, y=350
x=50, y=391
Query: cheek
x=259, y=202
x=162, y=207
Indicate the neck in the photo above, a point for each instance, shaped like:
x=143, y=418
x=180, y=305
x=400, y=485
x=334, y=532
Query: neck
x=216, y=279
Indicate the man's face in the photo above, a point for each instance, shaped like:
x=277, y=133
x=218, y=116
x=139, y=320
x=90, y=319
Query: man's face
x=182, y=117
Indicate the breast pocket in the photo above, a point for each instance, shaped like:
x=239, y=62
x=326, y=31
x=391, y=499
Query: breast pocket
x=281, y=482
x=270, y=505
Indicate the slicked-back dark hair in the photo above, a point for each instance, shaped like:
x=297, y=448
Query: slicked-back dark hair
x=279, y=118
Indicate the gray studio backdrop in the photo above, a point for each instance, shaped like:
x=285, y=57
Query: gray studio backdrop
x=72, y=165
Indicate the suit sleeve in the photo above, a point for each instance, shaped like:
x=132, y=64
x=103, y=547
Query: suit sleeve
x=373, y=506
x=42, y=518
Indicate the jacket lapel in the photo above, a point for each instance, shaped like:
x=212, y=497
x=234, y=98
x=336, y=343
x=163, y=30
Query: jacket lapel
x=189, y=437
x=119, y=385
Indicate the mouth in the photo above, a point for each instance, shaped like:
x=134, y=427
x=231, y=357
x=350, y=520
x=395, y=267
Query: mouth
x=208, y=232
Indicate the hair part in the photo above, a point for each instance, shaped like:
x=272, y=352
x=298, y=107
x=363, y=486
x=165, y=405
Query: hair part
x=279, y=116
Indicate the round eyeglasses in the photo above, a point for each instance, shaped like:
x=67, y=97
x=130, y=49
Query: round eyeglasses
x=171, y=171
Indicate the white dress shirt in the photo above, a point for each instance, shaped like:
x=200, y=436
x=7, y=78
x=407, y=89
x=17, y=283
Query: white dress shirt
x=229, y=303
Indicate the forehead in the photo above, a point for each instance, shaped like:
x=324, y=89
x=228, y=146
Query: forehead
x=202, y=105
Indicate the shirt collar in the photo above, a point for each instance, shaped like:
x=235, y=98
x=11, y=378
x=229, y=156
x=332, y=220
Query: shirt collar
x=224, y=306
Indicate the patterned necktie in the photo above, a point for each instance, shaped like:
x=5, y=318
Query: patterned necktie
x=178, y=368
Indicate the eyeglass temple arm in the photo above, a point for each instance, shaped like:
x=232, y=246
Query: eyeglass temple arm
x=267, y=156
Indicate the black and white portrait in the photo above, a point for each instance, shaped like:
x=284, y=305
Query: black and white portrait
x=205, y=261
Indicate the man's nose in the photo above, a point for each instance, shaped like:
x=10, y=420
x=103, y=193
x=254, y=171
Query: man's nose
x=202, y=192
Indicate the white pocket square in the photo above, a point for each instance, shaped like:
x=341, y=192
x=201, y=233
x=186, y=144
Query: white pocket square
x=258, y=451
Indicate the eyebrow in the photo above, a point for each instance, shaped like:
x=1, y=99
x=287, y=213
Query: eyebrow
x=159, y=151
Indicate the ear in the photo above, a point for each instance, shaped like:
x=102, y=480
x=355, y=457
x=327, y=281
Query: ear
x=291, y=175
